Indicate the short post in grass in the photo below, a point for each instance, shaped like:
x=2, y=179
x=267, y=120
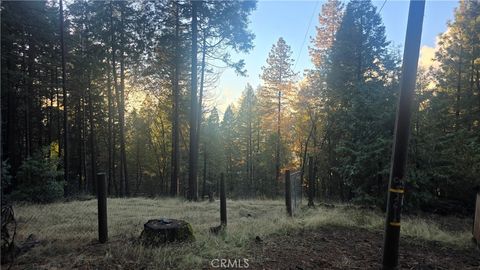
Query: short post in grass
x=311, y=182
x=476, y=225
x=223, y=202
x=288, y=193
x=102, y=207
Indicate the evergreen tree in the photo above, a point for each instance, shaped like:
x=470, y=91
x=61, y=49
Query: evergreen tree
x=329, y=22
x=359, y=108
x=278, y=78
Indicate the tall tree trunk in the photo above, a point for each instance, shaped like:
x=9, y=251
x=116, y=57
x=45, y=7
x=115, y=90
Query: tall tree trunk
x=277, y=147
x=59, y=126
x=200, y=111
x=204, y=188
x=79, y=120
x=82, y=126
x=478, y=90
x=11, y=152
x=138, y=171
x=109, y=135
x=50, y=112
x=164, y=182
x=470, y=112
x=116, y=185
x=458, y=93
x=175, y=119
x=29, y=93
x=193, y=158
x=200, y=99
x=250, y=146
x=65, y=103
x=84, y=147
x=121, y=110
x=305, y=151
x=121, y=188
x=93, y=151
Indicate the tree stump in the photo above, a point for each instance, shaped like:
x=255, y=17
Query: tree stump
x=157, y=232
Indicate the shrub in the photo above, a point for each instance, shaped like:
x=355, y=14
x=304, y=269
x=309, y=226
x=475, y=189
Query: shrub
x=6, y=180
x=39, y=179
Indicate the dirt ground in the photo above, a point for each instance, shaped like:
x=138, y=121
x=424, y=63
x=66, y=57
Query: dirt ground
x=328, y=247
x=336, y=247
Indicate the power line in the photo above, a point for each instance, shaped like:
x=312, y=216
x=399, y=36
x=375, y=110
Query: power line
x=380, y=10
x=305, y=36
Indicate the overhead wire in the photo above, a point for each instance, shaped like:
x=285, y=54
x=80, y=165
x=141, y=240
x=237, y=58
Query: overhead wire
x=305, y=36
x=384, y=2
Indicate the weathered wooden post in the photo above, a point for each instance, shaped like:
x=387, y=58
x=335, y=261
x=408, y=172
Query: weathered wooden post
x=223, y=202
x=102, y=207
x=288, y=193
x=311, y=182
x=476, y=226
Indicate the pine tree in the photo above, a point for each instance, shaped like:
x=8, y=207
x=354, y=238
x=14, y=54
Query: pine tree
x=229, y=138
x=329, y=22
x=277, y=77
x=245, y=125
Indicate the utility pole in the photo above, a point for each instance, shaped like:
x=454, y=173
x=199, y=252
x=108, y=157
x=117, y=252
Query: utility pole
x=402, y=132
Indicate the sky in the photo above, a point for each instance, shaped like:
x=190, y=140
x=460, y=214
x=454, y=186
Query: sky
x=295, y=21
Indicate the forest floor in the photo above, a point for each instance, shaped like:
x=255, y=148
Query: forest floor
x=343, y=237
x=339, y=247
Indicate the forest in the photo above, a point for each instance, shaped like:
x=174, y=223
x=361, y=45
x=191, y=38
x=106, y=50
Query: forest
x=128, y=88
x=109, y=86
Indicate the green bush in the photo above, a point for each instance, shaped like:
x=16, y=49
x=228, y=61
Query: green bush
x=6, y=177
x=39, y=179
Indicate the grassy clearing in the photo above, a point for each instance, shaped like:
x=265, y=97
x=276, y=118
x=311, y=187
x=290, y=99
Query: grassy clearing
x=69, y=231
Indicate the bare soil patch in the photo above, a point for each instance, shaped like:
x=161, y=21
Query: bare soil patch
x=335, y=247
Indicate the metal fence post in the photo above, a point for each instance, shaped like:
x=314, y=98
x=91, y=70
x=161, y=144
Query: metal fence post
x=223, y=202
x=288, y=193
x=311, y=182
x=102, y=207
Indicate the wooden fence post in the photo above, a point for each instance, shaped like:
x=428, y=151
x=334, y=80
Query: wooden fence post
x=223, y=202
x=102, y=207
x=311, y=182
x=288, y=193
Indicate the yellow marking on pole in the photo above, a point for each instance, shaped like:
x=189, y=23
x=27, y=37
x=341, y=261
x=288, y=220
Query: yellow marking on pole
x=395, y=190
x=396, y=224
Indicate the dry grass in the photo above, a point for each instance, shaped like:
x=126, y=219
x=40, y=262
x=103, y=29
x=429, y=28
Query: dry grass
x=68, y=231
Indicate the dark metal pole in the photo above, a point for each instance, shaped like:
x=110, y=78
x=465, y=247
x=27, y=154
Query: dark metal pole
x=223, y=202
x=402, y=132
x=288, y=193
x=102, y=207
